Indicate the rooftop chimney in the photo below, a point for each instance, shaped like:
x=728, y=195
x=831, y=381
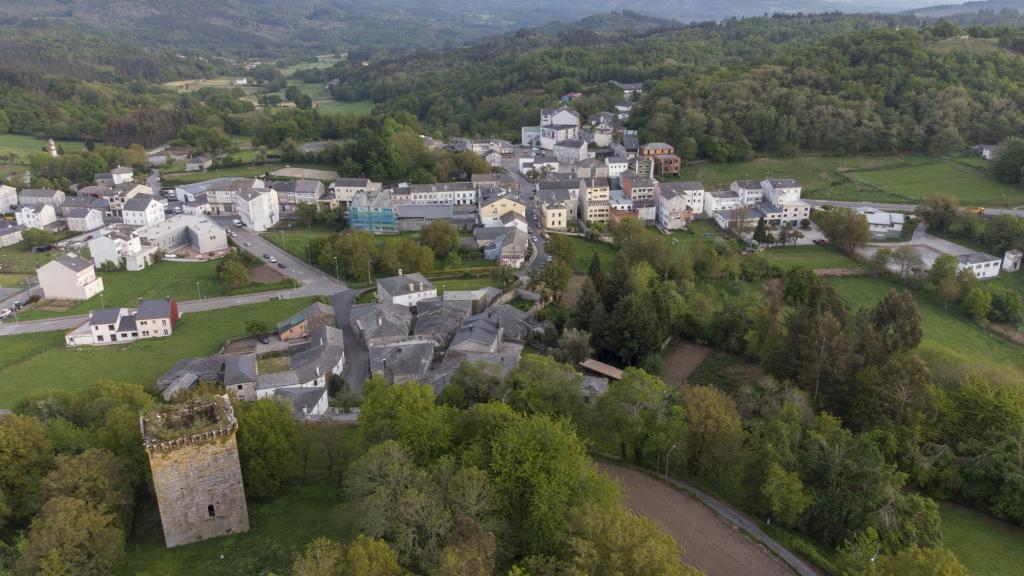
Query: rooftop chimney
x=412, y=286
x=400, y=272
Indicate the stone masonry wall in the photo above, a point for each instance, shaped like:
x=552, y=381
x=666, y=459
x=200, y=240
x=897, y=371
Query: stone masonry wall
x=192, y=478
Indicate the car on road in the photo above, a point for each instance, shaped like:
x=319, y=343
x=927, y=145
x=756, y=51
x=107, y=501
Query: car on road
x=282, y=265
x=266, y=256
x=17, y=304
x=237, y=223
x=177, y=209
x=549, y=258
x=5, y=313
x=263, y=338
x=273, y=260
x=247, y=243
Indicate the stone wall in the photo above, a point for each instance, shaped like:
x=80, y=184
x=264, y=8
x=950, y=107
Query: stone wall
x=199, y=489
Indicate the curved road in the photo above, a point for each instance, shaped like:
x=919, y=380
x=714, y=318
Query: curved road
x=715, y=537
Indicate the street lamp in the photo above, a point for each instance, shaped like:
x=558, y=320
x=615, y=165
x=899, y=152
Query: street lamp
x=666, y=460
x=197, y=290
x=337, y=271
x=369, y=277
x=309, y=258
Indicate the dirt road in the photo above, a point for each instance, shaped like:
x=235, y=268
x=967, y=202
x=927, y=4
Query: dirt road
x=708, y=542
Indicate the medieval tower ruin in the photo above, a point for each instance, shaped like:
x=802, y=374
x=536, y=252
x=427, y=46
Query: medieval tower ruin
x=196, y=473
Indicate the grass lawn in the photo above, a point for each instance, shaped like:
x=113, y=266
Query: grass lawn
x=33, y=364
x=1005, y=280
x=25, y=146
x=272, y=364
x=361, y=108
x=583, y=251
x=175, y=279
x=279, y=528
x=973, y=186
x=986, y=546
x=18, y=259
x=952, y=344
x=813, y=172
x=458, y=284
x=811, y=256
x=14, y=280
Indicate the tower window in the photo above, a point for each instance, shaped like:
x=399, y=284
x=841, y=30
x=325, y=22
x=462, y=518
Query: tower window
x=211, y=511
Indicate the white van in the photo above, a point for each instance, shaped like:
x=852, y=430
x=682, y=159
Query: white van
x=237, y=223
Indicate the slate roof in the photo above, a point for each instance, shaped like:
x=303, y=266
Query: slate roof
x=409, y=360
x=104, y=316
x=122, y=170
x=127, y=323
x=691, y=186
x=747, y=184
x=240, y=369
x=351, y=182
x=139, y=203
x=314, y=309
x=783, y=183
x=303, y=400
x=382, y=320
x=479, y=330
x=154, y=309
x=440, y=322
x=74, y=262
x=38, y=193
x=78, y=212
x=399, y=285
x=976, y=258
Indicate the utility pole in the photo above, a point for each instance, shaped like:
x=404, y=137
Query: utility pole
x=666, y=460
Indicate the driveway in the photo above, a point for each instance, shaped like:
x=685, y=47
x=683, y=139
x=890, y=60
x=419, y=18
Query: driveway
x=357, y=359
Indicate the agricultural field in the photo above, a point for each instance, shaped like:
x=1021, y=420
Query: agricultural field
x=19, y=147
x=952, y=344
x=179, y=280
x=892, y=179
x=33, y=364
x=986, y=546
x=811, y=256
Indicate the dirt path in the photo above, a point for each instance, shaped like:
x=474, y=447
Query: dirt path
x=708, y=542
x=683, y=361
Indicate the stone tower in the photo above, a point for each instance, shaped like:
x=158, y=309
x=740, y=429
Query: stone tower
x=196, y=473
x=53, y=148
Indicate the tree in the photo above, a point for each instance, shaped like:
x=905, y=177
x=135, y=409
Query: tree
x=36, y=237
x=73, y=534
x=978, y=304
x=761, y=231
x=714, y=433
x=560, y=247
x=405, y=412
x=573, y=347
x=921, y=562
x=541, y=471
x=322, y=557
x=898, y=321
x=96, y=477
x=473, y=383
x=632, y=412
x=845, y=228
x=943, y=276
x=268, y=441
x=470, y=551
x=908, y=259
x=306, y=213
x=540, y=384
x=1009, y=166
x=785, y=495
x=939, y=210
x=610, y=541
x=882, y=257
x=255, y=327
x=441, y=237
x=26, y=456
x=364, y=556
x=556, y=276
x=1003, y=232
x=232, y=273
x=596, y=273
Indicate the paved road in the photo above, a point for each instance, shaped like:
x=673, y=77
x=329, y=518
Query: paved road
x=709, y=542
x=357, y=359
x=527, y=195
x=1018, y=211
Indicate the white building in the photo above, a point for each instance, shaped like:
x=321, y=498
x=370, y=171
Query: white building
x=69, y=277
x=152, y=319
x=10, y=234
x=258, y=208
x=344, y=189
x=1012, y=260
x=36, y=196
x=119, y=175
x=616, y=165
x=451, y=193
x=983, y=265
x=121, y=248
x=83, y=219
x=571, y=152
x=673, y=211
x=716, y=200
x=37, y=216
x=883, y=225
x=750, y=192
x=143, y=210
x=405, y=289
x=196, y=233
x=8, y=199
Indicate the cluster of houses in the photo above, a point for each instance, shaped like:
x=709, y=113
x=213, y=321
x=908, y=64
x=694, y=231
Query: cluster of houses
x=308, y=352
x=411, y=333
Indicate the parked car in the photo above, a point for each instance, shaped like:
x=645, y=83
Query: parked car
x=247, y=243
x=237, y=223
x=282, y=265
x=266, y=256
x=17, y=304
x=263, y=338
x=273, y=260
x=5, y=313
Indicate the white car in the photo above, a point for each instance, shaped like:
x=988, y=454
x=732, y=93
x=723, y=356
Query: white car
x=5, y=313
x=273, y=260
x=237, y=223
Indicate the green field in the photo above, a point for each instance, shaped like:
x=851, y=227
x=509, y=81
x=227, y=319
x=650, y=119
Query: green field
x=18, y=259
x=583, y=251
x=973, y=186
x=22, y=147
x=952, y=344
x=175, y=279
x=986, y=546
x=812, y=256
x=33, y=364
x=895, y=179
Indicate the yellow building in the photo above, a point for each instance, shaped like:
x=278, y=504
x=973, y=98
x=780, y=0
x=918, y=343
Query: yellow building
x=493, y=209
x=554, y=216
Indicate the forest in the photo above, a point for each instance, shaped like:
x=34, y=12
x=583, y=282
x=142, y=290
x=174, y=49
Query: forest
x=827, y=83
